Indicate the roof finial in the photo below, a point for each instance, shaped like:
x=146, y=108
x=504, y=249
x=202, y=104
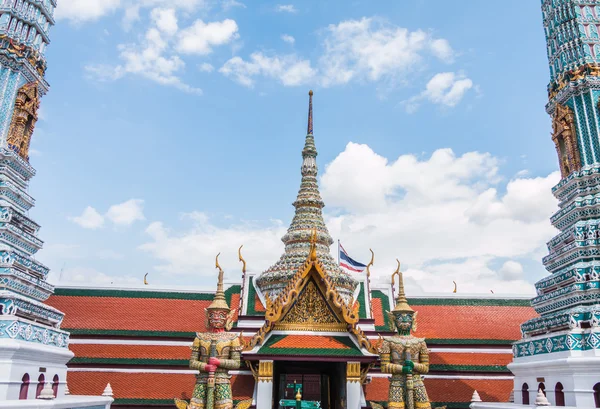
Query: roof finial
x=401, y=301
x=310, y=116
x=219, y=302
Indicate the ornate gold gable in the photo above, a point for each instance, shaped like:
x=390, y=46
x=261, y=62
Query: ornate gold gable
x=23, y=119
x=312, y=289
x=310, y=312
x=565, y=140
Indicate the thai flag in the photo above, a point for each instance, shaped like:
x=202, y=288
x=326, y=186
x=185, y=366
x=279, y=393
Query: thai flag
x=348, y=263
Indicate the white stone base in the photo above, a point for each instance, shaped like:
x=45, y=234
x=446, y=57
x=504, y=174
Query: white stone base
x=577, y=371
x=20, y=357
x=66, y=402
x=483, y=405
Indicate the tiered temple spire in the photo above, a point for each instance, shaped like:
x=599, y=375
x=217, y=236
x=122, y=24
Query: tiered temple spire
x=308, y=216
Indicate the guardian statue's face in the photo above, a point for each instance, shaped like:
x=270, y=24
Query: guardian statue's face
x=404, y=322
x=217, y=319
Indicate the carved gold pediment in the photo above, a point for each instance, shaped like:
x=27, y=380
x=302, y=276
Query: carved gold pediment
x=310, y=312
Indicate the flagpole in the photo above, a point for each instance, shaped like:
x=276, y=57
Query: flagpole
x=338, y=252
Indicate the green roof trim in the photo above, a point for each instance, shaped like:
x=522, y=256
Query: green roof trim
x=471, y=302
x=171, y=295
x=362, y=307
x=130, y=361
x=251, y=296
x=353, y=350
x=234, y=289
x=385, y=302
x=468, y=368
x=130, y=333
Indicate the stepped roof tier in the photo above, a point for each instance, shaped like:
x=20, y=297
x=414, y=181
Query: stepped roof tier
x=308, y=216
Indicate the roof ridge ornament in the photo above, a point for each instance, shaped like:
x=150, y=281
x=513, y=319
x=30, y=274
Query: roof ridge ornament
x=401, y=301
x=241, y=259
x=219, y=302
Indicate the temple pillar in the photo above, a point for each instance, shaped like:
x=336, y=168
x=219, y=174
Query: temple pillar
x=353, y=385
x=264, y=390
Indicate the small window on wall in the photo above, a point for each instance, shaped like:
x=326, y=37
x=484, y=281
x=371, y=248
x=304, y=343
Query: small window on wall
x=55, y=386
x=40, y=385
x=597, y=395
x=559, y=395
x=525, y=394
x=24, y=387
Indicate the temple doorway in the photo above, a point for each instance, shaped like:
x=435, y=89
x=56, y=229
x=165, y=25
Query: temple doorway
x=323, y=382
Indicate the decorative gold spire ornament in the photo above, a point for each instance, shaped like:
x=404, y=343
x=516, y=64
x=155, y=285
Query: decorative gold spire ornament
x=242, y=259
x=401, y=301
x=370, y=263
x=455, y=287
x=145, y=281
x=219, y=302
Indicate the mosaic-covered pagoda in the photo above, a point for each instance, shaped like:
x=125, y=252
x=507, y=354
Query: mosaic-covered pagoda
x=560, y=349
x=33, y=347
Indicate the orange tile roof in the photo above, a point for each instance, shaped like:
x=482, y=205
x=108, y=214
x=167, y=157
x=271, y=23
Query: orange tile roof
x=258, y=306
x=471, y=322
x=447, y=358
x=148, y=385
x=144, y=314
x=149, y=314
x=449, y=390
x=309, y=342
x=377, y=312
x=130, y=351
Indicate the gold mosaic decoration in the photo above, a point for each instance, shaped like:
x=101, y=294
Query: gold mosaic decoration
x=565, y=140
x=579, y=73
x=23, y=120
x=310, y=312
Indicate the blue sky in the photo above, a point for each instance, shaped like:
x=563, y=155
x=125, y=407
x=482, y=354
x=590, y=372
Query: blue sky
x=173, y=131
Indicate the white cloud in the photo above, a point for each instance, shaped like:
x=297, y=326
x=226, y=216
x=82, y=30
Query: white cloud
x=79, y=11
x=441, y=49
x=422, y=212
x=365, y=50
x=288, y=38
x=126, y=213
x=158, y=54
x=445, y=88
x=417, y=210
x=89, y=219
x=122, y=214
x=194, y=250
x=369, y=49
x=154, y=58
x=201, y=37
x=511, y=270
x=206, y=67
x=286, y=8
x=165, y=20
x=287, y=69
x=229, y=4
